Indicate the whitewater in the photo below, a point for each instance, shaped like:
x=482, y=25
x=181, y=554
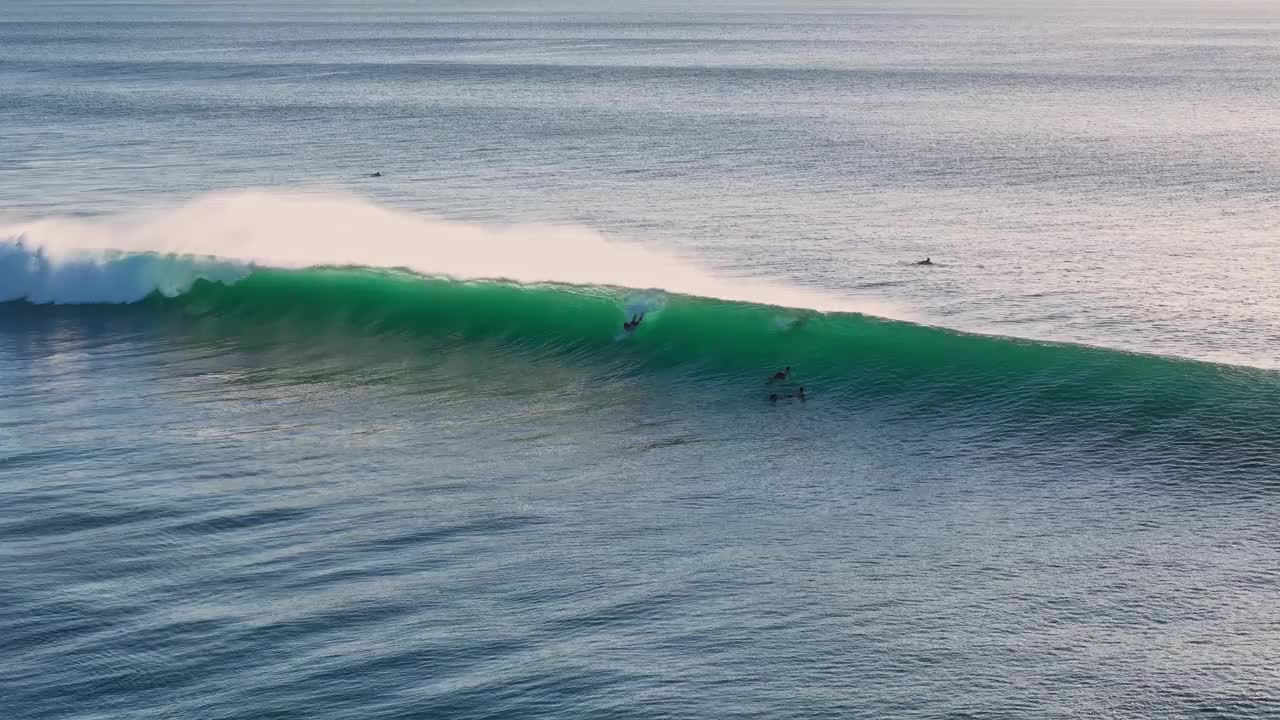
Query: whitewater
x=220, y=237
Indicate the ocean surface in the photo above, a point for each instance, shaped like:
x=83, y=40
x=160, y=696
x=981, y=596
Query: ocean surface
x=280, y=439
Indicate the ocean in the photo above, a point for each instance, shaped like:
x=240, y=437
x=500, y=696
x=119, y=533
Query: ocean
x=317, y=401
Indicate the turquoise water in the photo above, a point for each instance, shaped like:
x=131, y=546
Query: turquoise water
x=281, y=440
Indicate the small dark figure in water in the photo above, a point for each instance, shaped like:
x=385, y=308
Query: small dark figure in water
x=781, y=375
x=377, y=174
x=773, y=398
x=800, y=394
x=633, y=323
x=925, y=261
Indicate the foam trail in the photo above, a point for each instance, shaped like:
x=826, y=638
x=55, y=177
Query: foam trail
x=62, y=259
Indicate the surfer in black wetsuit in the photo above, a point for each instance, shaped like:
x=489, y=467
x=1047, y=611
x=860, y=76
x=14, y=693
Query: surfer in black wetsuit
x=633, y=323
x=781, y=375
x=925, y=261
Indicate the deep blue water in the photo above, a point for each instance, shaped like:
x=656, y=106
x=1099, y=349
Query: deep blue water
x=288, y=493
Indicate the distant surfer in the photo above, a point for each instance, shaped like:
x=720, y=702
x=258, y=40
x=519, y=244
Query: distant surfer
x=633, y=323
x=376, y=174
x=781, y=375
x=925, y=261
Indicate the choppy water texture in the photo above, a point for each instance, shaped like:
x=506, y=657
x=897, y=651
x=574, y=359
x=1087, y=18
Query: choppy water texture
x=289, y=453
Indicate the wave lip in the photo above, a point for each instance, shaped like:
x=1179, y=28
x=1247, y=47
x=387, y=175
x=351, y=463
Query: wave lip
x=292, y=230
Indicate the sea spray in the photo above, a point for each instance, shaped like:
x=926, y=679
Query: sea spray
x=295, y=230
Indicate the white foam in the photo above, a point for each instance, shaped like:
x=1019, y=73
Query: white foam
x=222, y=236
x=29, y=273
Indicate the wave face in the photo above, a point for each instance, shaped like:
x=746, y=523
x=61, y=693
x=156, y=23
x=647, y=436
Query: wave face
x=984, y=394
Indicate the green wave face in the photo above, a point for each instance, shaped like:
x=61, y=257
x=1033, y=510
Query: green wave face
x=974, y=393
x=736, y=345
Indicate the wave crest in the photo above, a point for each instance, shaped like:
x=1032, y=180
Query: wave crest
x=217, y=236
